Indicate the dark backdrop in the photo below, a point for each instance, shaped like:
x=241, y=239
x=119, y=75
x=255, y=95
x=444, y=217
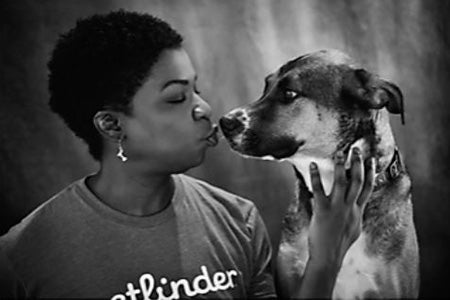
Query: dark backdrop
x=234, y=44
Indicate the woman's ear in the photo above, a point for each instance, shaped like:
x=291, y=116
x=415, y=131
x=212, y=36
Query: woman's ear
x=368, y=90
x=108, y=124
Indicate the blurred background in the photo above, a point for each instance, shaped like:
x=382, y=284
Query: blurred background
x=234, y=44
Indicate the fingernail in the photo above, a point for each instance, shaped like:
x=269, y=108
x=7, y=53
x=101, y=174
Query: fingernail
x=340, y=157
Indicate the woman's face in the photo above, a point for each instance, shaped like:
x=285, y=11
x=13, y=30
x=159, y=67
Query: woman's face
x=169, y=128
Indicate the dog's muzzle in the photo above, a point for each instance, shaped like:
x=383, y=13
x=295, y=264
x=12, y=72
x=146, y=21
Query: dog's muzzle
x=231, y=126
x=253, y=141
x=234, y=123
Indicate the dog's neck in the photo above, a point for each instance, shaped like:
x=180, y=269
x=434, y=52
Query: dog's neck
x=383, y=150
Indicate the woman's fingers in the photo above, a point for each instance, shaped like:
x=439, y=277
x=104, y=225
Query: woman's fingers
x=357, y=189
x=357, y=176
x=340, y=179
x=319, y=194
x=369, y=182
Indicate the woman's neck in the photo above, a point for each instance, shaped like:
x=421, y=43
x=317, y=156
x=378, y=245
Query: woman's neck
x=131, y=192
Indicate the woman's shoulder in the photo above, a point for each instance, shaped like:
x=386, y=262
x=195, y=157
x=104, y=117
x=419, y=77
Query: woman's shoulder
x=42, y=220
x=210, y=195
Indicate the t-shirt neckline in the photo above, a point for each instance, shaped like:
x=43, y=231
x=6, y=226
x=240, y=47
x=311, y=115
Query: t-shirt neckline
x=114, y=215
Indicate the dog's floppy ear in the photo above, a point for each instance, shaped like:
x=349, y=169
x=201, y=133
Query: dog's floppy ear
x=370, y=91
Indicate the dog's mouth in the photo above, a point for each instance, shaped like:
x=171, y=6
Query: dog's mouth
x=250, y=143
x=277, y=148
x=257, y=140
x=287, y=151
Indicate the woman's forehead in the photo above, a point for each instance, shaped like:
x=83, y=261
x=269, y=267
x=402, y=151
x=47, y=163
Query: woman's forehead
x=173, y=64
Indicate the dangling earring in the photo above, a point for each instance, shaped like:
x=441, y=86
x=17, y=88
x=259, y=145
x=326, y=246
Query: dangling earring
x=121, y=153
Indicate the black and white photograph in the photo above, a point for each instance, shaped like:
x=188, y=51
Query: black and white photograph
x=224, y=149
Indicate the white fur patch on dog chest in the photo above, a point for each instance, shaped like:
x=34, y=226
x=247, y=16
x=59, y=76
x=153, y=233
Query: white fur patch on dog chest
x=357, y=278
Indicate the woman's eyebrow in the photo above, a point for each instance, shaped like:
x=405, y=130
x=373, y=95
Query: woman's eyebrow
x=177, y=81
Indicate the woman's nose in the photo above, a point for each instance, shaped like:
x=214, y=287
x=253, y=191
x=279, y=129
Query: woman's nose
x=201, y=110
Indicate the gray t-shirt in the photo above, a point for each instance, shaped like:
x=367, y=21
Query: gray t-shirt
x=206, y=244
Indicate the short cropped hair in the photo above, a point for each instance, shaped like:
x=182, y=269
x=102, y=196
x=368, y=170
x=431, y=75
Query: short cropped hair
x=100, y=64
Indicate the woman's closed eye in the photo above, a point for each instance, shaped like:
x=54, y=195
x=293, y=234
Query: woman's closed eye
x=178, y=99
x=183, y=96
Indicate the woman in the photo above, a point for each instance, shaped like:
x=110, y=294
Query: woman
x=138, y=228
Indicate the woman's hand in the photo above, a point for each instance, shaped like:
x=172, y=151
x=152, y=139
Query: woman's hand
x=335, y=225
x=337, y=220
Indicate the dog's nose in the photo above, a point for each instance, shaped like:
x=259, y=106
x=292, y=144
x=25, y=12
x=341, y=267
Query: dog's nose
x=230, y=125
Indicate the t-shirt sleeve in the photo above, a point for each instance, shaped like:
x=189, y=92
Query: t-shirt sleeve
x=10, y=285
x=262, y=284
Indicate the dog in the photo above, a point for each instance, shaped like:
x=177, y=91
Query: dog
x=311, y=108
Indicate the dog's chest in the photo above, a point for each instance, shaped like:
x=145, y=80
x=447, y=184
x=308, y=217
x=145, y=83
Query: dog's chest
x=357, y=277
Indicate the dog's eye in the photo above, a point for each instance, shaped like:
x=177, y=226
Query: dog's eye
x=290, y=95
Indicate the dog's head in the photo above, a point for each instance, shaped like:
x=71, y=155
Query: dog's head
x=315, y=104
